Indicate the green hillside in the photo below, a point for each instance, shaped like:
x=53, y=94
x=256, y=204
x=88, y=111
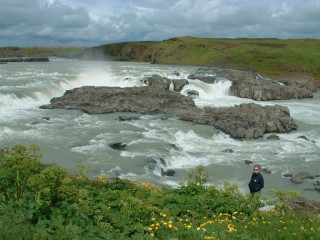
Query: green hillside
x=69, y=52
x=266, y=56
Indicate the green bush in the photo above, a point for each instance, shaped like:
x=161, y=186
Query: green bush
x=46, y=202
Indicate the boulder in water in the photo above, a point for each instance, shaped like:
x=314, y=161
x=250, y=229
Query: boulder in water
x=202, y=76
x=163, y=162
x=248, y=162
x=179, y=84
x=298, y=178
x=117, y=145
x=304, y=137
x=193, y=93
x=228, y=150
x=46, y=118
x=126, y=118
x=287, y=175
x=175, y=147
x=158, y=82
x=168, y=172
x=266, y=170
x=176, y=73
x=273, y=137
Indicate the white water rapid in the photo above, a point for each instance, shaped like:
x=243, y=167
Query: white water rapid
x=70, y=137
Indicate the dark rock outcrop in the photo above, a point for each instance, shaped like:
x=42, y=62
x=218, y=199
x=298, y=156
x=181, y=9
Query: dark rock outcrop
x=168, y=172
x=273, y=137
x=158, y=82
x=193, y=93
x=303, y=204
x=248, y=162
x=241, y=121
x=126, y=118
x=117, y=145
x=25, y=59
x=266, y=170
x=176, y=73
x=298, y=178
x=244, y=120
x=228, y=150
x=253, y=86
x=287, y=175
x=202, y=77
x=175, y=147
x=179, y=84
x=304, y=137
x=246, y=84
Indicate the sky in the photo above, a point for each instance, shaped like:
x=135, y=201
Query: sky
x=94, y=22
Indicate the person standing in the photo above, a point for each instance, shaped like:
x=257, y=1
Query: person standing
x=257, y=182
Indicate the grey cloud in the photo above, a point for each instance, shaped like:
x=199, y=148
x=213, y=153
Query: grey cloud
x=68, y=22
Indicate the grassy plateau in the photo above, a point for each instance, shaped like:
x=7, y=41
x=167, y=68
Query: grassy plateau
x=266, y=56
x=271, y=57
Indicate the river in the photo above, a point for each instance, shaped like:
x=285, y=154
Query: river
x=70, y=137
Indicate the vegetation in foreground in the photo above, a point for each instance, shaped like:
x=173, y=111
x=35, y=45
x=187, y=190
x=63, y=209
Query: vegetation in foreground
x=46, y=202
x=266, y=56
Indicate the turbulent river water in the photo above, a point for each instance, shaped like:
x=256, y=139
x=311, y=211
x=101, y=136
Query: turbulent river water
x=72, y=137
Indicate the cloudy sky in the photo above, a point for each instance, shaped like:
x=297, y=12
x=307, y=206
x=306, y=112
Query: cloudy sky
x=94, y=22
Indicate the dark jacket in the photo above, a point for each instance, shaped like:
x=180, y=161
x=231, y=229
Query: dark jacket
x=256, y=183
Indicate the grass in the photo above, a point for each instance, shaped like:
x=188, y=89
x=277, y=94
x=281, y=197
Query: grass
x=53, y=51
x=69, y=52
x=267, y=56
x=272, y=57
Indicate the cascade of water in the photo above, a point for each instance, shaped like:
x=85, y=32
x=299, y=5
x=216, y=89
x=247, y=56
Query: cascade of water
x=209, y=91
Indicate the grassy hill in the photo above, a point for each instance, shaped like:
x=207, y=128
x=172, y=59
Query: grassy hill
x=69, y=52
x=266, y=56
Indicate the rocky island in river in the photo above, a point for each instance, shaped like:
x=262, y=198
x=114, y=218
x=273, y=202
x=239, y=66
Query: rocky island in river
x=243, y=121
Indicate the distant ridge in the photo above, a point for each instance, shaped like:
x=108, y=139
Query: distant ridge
x=269, y=56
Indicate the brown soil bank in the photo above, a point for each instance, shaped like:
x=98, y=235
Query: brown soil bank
x=272, y=57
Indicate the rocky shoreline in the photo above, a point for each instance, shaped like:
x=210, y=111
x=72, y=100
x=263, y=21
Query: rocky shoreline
x=245, y=121
x=24, y=59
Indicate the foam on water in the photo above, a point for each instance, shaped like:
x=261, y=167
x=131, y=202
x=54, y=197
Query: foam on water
x=182, y=145
x=208, y=91
x=35, y=93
